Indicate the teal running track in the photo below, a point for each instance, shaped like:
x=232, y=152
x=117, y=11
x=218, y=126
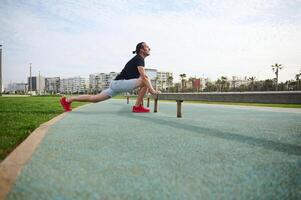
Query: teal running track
x=104, y=151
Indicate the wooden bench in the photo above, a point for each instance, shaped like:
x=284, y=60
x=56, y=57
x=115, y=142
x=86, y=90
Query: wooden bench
x=280, y=97
x=276, y=97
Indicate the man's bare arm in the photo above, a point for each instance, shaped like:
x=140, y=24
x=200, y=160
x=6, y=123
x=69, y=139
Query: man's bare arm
x=146, y=80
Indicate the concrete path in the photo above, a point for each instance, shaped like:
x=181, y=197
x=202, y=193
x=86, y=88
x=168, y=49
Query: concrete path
x=103, y=151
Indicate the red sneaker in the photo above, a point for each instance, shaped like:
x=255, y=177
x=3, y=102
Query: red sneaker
x=143, y=108
x=140, y=109
x=65, y=104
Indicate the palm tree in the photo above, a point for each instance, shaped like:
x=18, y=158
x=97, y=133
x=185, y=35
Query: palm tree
x=268, y=85
x=169, y=82
x=298, y=80
x=182, y=80
x=223, y=82
x=210, y=87
x=252, y=79
x=177, y=86
x=276, y=67
x=156, y=80
x=162, y=84
x=218, y=84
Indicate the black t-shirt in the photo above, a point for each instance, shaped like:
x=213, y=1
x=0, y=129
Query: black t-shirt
x=130, y=71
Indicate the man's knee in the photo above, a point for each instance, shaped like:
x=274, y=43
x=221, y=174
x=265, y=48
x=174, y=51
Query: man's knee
x=141, y=83
x=99, y=97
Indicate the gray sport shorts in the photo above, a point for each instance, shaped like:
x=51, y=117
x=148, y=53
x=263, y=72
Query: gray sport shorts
x=118, y=86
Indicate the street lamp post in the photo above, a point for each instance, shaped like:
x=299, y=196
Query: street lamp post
x=30, y=80
x=0, y=70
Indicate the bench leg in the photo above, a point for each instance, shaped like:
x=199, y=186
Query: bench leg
x=147, y=102
x=156, y=105
x=179, y=108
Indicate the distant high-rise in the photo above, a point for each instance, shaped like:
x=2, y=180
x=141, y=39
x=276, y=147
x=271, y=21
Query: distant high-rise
x=36, y=83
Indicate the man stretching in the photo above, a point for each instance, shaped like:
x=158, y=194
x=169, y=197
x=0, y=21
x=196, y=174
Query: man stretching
x=132, y=76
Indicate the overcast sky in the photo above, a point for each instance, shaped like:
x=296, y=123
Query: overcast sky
x=207, y=38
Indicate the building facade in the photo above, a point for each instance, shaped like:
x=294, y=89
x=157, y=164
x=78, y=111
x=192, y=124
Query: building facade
x=16, y=88
x=236, y=81
x=152, y=75
x=74, y=85
x=164, y=80
x=52, y=85
x=36, y=84
x=100, y=81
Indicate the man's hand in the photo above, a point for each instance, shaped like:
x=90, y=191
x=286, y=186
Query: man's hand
x=154, y=92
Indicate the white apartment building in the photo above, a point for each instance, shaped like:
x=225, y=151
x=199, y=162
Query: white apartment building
x=52, y=84
x=94, y=83
x=74, y=85
x=152, y=75
x=236, y=81
x=107, y=78
x=163, y=80
x=101, y=81
x=16, y=88
x=204, y=82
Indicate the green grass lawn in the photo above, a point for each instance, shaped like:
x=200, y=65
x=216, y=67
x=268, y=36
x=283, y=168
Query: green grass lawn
x=19, y=116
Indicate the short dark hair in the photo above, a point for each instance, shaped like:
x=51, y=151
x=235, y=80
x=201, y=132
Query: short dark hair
x=138, y=47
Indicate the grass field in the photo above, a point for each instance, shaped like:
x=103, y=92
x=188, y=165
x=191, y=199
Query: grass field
x=19, y=116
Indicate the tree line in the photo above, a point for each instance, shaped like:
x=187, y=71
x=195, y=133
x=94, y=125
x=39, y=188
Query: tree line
x=223, y=84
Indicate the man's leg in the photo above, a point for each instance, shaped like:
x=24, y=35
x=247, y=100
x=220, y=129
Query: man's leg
x=146, y=83
x=145, y=86
x=141, y=94
x=90, y=98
